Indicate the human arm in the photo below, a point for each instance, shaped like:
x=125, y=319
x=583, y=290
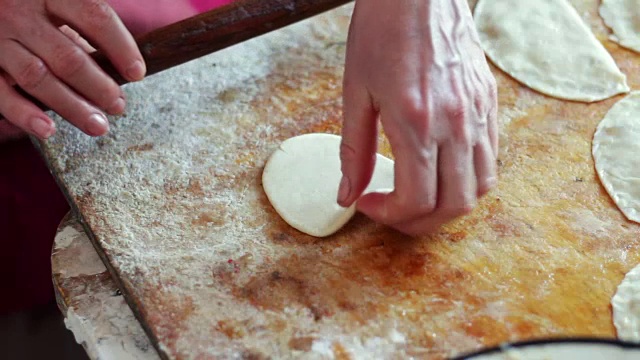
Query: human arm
x=417, y=67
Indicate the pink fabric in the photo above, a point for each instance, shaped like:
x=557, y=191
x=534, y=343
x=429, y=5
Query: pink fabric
x=31, y=208
x=206, y=5
x=141, y=16
x=144, y=16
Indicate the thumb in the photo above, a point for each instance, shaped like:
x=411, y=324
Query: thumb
x=359, y=143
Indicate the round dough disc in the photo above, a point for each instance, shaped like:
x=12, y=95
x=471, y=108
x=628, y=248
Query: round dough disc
x=301, y=180
x=615, y=147
x=626, y=307
x=547, y=46
x=623, y=17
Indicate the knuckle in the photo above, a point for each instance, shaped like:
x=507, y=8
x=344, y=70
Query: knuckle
x=416, y=205
x=427, y=207
x=421, y=204
x=459, y=174
x=354, y=162
x=467, y=209
x=69, y=61
x=10, y=109
x=110, y=94
x=457, y=114
x=481, y=106
x=99, y=12
x=392, y=211
x=17, y=114
x=415, y=112
x=454, y=111
x=487, y=185
x=483, y=190
x=460, y=210
x=31, y=74
x=347, y=152
x=414, y=108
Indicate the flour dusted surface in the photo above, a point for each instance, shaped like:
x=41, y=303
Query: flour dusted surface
x=173, y=198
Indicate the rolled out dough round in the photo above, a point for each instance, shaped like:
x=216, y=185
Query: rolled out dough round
x=615, y=148
x=625, y=305
x=301, y=180
x=546, y=45
x=623, y=17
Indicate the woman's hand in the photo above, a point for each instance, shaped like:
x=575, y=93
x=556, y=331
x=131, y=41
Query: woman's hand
x=418, y=67
x=52, y=64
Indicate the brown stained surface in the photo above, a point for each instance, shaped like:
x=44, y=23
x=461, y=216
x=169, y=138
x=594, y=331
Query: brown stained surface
x=214, y=272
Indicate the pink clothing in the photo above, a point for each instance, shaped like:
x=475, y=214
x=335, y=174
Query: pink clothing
x=141, y=16
x=206, y=5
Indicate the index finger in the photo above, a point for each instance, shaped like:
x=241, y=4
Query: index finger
x=416, y=180
x=99, y=23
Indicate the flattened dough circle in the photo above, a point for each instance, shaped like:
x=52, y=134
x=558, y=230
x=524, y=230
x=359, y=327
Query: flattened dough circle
x=626, y=307
x=301, y=180
x=615, y=148
x=623, y=17
x=545, y=45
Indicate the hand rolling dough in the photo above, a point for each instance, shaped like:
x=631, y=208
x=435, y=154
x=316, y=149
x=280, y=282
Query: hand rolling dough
x=301, y=180
x=615, y=148
x=623, y=17
x=545, y=45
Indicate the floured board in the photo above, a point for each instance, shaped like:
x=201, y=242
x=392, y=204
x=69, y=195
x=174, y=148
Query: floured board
x=173, y=201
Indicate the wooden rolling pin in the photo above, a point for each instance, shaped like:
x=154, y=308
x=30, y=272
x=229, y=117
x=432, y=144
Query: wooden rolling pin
x=215, y=30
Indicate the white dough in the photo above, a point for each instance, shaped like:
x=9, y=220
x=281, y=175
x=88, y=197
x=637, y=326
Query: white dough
x=301, y=180
x=545, y=45
x=626, y=307
x=623, y=17
x=616, y=153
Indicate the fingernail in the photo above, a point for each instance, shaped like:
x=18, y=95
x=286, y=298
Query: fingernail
x=344, y=190
x=98, y=125
x=136, y=71
x=44, y=128
x=118, y=106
